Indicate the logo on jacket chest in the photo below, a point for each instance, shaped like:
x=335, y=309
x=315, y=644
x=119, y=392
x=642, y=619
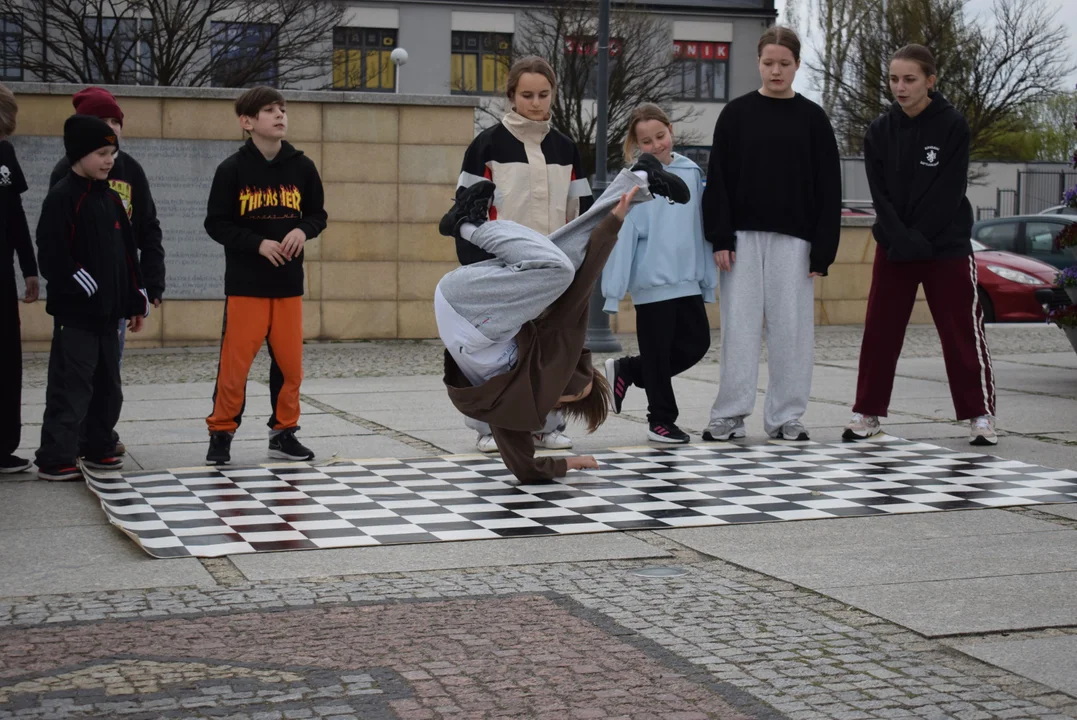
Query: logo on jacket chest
x=123, y=189
x=5, y=176
x=275, y=196
x=931, y=156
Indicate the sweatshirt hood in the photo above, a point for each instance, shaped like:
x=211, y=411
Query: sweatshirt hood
x=937, y=106
x=287, y=152
x=680, y=162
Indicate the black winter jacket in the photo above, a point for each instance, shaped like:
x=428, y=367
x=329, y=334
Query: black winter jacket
x=129, y=181
x=252, y=200
x=918, y=173
x=88, y=256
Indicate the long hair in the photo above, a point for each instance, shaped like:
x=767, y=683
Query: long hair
x=595, y=408
x=919, y=55
x=783, y=36
x=9, y=108
x=645, y=112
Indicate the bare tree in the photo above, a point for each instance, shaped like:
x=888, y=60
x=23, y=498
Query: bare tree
x=989, y=72
x=642, y=69
x=228, y=43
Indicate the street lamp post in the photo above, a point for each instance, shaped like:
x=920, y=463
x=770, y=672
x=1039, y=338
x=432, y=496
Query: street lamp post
x=599, y=336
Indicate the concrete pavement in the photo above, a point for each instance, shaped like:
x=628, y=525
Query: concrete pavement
x=951, y=614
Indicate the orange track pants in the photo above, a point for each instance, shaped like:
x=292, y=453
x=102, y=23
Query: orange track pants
x=248, y=322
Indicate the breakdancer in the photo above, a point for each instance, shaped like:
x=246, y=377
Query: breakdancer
x=514, y=326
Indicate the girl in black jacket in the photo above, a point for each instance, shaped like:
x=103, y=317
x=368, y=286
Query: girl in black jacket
x=917, y=160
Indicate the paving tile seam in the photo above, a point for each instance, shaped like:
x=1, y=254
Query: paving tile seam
x=1037, y=514
x=969, y=578
x=383, y=430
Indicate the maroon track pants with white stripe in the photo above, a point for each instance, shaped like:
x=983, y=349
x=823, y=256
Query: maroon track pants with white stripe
x=950, y=287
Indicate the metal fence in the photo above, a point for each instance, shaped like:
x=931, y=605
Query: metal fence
x=986, y=213
x=1038, y=190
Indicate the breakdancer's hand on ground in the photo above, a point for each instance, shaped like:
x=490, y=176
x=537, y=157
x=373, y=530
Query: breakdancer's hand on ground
x=621, y=209
x=583, y=462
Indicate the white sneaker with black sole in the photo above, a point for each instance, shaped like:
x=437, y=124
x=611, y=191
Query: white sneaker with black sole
x=862, y=427
x=982, y=431
x=725, y=429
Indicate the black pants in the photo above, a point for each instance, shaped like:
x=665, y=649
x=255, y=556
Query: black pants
x=673, y=336
x=84, y=386
x=11, y=361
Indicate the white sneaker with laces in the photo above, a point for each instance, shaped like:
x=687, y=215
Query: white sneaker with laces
x=555, y=440
x=861, y=427
x=486, y=444
x=982, y=431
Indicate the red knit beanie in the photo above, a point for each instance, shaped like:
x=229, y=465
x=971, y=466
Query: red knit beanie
x=98, y=102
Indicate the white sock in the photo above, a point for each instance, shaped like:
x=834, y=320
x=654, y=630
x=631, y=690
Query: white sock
x=467, y=230
x=641, y=174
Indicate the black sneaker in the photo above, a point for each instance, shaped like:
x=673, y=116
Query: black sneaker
x=667, y=433
x=220, y=448
x=102, y=462
x=472, y=206
x=14, y=464
x=285, y=446
x=618, y=383
x=59, y=473
x=661, y=181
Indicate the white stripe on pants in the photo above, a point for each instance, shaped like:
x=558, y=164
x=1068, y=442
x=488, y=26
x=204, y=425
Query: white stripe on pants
x=769, y=280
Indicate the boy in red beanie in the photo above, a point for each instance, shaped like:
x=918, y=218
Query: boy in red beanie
x=129, y=181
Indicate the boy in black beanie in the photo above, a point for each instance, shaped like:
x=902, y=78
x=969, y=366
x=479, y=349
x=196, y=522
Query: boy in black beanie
x=89, y=259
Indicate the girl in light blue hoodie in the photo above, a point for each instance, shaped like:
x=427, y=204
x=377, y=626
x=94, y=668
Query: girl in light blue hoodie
x=662, y=259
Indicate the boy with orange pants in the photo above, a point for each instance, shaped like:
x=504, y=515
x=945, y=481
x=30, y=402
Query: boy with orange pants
x=265, y=203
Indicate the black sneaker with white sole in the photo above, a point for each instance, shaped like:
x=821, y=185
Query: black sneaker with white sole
x=667, y=433
x=220, y=448
x=285, y=446
x=661, y=181
x=615, y=376
x=102, y=462
x=14, y=464
x=472, y=205
x=59, y=473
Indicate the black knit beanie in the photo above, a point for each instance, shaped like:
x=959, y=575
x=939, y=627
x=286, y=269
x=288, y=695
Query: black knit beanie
x=84, y=133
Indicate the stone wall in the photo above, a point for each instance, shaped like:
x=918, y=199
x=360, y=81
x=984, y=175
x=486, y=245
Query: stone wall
x=389, y=164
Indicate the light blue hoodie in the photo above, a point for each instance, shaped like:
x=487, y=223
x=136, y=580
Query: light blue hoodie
x=660, y=252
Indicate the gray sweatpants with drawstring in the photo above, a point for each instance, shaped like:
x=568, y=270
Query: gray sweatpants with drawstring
x=530, y=271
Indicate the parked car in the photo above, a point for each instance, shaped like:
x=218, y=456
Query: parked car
x=1059, y=210
x=1035, y=236
x=1008, y=284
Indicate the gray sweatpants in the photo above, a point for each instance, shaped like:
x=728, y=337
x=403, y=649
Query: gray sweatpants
x=769, y=280
x=530, y=271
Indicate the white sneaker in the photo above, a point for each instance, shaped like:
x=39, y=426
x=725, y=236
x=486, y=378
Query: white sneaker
x=724, y=429
x=982, y=431
x=555, y=440
x=861, y=427
x=486, y=444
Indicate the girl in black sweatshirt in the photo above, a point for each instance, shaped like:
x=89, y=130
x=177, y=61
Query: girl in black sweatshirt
x=772, y=211
x=917, y=160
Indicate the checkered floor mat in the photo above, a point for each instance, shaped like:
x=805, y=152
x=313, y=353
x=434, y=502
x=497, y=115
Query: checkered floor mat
x=207, y=512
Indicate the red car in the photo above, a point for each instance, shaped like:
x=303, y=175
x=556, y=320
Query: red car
x=1008, y=284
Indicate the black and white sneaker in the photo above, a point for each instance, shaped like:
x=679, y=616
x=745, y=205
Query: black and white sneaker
x=618, y=382
x=284, y=446
x=667, y=433
x=220, y=448
x=102, y=462
x=59, y=473
x=14, y=464
x=472, y=205
x=662, y=182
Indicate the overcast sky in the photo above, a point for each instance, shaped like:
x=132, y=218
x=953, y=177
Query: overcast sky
x=1067, y=15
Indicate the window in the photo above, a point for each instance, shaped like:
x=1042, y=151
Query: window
x=235, y=45
x=361, y=59
x=10, y=48
x=126, y=41
x=700, y=155
x=1041, y=242
x=1000, y=236
x=704, y=71
x=480, y=63
x=588, y=47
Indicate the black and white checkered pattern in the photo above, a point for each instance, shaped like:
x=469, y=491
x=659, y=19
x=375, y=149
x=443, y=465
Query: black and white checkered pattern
x=207, y=512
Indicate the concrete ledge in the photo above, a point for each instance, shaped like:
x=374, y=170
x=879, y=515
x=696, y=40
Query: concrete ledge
x=207, y=93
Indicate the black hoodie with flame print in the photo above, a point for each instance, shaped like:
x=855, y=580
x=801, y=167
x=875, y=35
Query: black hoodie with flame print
x=252, y=200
